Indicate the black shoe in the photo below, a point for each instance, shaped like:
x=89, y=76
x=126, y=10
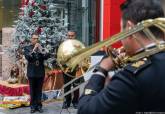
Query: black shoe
x=75, y=105
x=40, y=110
x=32, y=110
x=65, y=105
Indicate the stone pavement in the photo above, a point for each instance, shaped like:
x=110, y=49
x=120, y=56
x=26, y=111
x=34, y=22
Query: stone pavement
x=50, y=108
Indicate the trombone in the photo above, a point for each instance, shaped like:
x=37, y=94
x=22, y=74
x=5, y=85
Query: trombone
x=142, y=26
x=79, y=56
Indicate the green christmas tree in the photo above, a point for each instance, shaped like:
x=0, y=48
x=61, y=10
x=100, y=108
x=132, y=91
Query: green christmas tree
x=47, y=19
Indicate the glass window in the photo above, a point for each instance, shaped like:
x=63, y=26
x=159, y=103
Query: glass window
x=8, y=11
x=82, y=16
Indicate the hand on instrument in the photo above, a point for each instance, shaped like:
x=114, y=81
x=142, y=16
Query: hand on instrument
x=107, y=63
x=116, y=54
x=37, y=45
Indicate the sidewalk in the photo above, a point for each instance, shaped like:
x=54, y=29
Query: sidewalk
x=51, y=108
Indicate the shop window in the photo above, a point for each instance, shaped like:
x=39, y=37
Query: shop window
x=82, y=17
x=9, y=12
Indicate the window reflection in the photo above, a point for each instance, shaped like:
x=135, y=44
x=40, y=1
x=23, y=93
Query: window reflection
x=82, y=18
x=8, y=12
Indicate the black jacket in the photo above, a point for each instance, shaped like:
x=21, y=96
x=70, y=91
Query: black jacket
x=35, y=67
x=138, y=88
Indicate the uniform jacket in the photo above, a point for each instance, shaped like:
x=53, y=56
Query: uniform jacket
x=35, y=67
x=138, y=88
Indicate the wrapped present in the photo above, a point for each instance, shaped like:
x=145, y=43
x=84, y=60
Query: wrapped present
x=15, y=101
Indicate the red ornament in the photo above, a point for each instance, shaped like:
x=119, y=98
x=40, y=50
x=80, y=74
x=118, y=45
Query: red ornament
x=39, y=30
x=26, y=2
x=33, y=3
x=31, y=13
x=43, y=7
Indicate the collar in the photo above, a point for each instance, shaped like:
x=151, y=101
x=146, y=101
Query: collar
x=149, y=46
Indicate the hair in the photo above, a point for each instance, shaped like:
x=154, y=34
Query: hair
x=72, y=31
x=139, y=10
x=35, y=33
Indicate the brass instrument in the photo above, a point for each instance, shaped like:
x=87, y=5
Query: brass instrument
x=66, y=51
x=79, y=55
x=142, y=26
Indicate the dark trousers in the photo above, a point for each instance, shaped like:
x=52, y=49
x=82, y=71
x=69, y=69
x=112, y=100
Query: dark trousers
x=68, y=99
x=36, y=91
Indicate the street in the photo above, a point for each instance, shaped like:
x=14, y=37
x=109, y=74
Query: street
x=50, y=108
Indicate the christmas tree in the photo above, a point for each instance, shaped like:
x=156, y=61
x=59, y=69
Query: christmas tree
x=48, y=19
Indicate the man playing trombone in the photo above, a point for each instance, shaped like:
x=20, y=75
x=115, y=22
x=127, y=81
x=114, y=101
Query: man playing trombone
x=139, y=86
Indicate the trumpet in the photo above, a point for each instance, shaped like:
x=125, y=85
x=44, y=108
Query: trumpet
x=40, y=49
x=142, y=26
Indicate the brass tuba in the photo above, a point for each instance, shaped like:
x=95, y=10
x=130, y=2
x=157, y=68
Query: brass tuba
x=142, y=26
x=66, y=51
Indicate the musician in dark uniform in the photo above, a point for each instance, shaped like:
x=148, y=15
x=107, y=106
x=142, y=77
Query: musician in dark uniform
x=35, y=71
x=67, y=78
x=138, y=87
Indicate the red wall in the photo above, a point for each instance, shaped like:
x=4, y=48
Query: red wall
x=106, y=19
x=111, y=19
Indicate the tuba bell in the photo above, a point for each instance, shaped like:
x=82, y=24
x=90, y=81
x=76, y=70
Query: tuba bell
x=66, y=51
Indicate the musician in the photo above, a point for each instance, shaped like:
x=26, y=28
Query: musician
x=138, y=87
x=35, y=71
x=67, y=78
